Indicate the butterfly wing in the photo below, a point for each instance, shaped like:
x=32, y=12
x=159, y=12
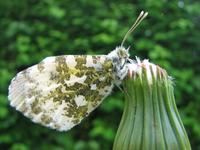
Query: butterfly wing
x=60, y=91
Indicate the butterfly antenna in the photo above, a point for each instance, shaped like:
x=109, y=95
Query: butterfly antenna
x=135, y=24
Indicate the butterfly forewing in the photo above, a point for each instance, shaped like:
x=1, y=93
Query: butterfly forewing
x=60, y=91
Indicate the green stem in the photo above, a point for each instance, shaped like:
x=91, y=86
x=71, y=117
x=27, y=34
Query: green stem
x=150, y=119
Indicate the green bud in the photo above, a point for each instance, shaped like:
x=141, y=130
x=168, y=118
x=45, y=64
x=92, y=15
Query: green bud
x=150, y=119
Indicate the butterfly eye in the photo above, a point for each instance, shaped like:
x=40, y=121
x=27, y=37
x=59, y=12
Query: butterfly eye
x=122, y=53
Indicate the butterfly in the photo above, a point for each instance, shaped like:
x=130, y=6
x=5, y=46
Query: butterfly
x=60, y=91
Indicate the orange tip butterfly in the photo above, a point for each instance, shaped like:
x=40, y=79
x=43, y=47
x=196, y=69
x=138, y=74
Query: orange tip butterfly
x=60, y=91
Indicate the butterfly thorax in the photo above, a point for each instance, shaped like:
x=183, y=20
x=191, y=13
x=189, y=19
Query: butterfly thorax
x=119, y=57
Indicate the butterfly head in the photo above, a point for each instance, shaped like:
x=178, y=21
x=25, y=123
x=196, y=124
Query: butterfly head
x=122, y=52
x=120, y=56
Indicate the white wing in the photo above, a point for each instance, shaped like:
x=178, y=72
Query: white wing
x=60, y=91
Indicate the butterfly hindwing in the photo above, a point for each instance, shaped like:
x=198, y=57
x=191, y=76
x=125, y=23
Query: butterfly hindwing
x=60, y=91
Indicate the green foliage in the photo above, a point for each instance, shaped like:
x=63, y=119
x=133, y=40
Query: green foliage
x=33, y=30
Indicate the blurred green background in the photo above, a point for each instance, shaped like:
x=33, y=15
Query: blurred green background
x=31, y=30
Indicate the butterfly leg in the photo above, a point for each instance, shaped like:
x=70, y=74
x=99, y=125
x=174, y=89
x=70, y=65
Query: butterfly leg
x=123, y=72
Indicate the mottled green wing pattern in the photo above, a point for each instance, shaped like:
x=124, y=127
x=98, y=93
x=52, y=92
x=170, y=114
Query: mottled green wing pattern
x=60, y=91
